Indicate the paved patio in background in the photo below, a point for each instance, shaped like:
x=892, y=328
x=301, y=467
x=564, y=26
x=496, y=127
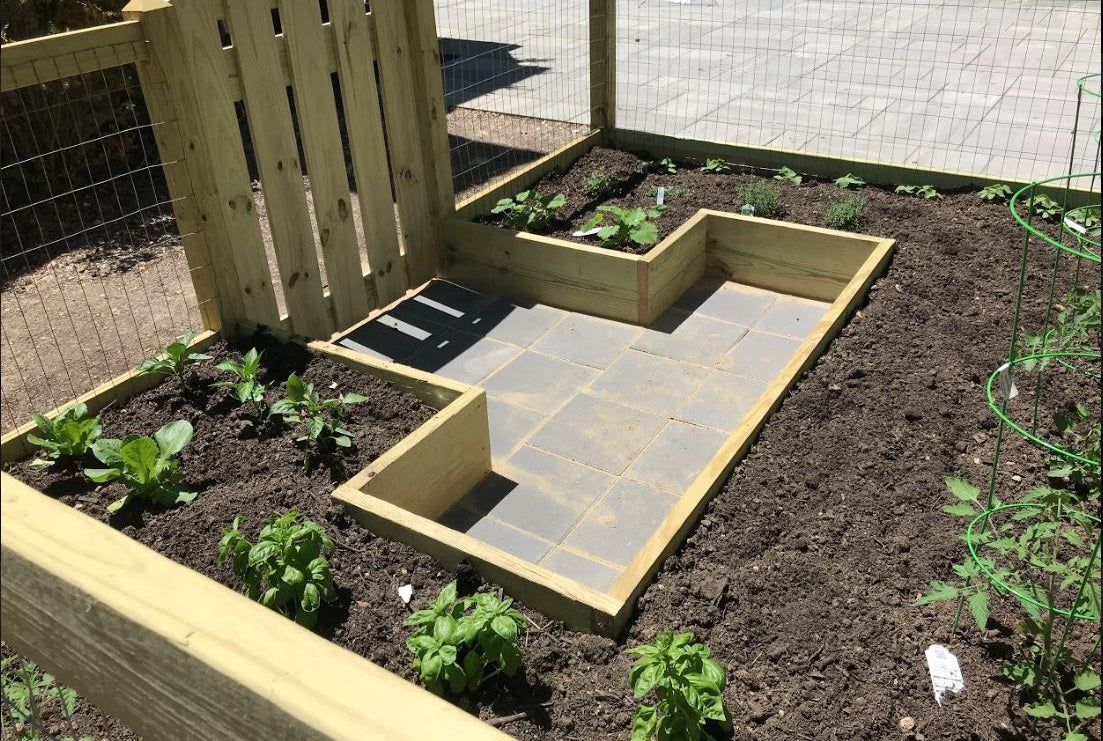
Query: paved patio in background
x=597, y=427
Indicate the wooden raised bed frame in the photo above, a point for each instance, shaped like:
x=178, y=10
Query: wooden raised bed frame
x=109, y=611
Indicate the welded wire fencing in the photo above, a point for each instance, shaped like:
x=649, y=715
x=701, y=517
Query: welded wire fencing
x=93, y=275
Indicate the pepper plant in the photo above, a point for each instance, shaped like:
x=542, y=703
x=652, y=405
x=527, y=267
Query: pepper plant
x=921, y=191
x=995, y=192
x=688, y=686
x=529, y=211
x=460, y=642
x=632, y=225
x=69, y=435
x=246, y=387
x=286, y=569
x=320, y=418
x=175, y=360
x=146, y=466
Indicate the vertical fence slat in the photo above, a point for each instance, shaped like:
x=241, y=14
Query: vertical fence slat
x=270, y=127
x=360, y=96
x=603, y=64
x=321, y=136
x=183, y=45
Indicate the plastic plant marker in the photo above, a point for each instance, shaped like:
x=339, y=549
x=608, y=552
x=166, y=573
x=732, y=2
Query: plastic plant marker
x=660, y=195
x=587, y=233
x=406, y=593
x=1007, y=383
x=945, y=671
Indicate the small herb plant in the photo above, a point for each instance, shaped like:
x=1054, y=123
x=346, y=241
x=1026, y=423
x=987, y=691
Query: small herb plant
x=844, y=213
x=688, y=686
x=716, y=165
x=995, y=192
x=672, y=191
x=286, y=569
x=665, y=166
x=29, y=695
x=146, y=466
x=320, y=418
x=69, y=435
x=246, y=388
x=848, y=181
x=459, y=643
x=530, y=211
x=632, y=225
x=1044, y=207
x=599, y=185
x=788, y=175
x=763, y=197
x=175, y=361
x=921, y=191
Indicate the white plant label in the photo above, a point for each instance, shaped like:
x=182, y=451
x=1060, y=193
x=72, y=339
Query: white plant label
x=660, y=195
x=406, y=593
x=1007, y=383
x=1073, y=224
x=588, y=233
x=945, y=671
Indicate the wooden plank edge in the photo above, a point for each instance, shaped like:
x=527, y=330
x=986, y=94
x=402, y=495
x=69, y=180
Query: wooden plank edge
x=172, y=653
x=673, y=248
x=669, y=536
x=14, y=445
x=454, y=228
x=126, y=39
x=558, y=597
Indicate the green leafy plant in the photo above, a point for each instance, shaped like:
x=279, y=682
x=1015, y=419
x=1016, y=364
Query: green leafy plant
x=665, y=166
x=763, y=197
x=677, y=190
x=921, y=191
x=246, y=388
x=788, y=175
x=459, y=643
x=146, y=466
x=632, y=225
x=1080, y=435
x=848, y=181
x=716, y=165
x=286, y=569
x=175, y=361
x=995, y=192
x=844, y=213
x=29, y=695
x=1075, y=328
x=1043, y=207
x=320, y=418
x=530, y=211
x=599, y=184
x=688, y=686
x=69, y=435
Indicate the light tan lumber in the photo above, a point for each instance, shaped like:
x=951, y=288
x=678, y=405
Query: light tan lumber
x=396, y=54
x=173, y=654
x=571, y=276
x=684, y=514
x=672, y=267
x=325, y=158
x=800, y=260
x=351, y=31
x=558, y=160
x=823, y=165
x=564, y=599
x=277, y=157
x=183, y=47
x=432, y=468
x=603, y=64
x=14, y=445
x=60, y=55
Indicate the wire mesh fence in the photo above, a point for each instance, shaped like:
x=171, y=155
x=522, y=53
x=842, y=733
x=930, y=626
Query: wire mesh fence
x=93, y=274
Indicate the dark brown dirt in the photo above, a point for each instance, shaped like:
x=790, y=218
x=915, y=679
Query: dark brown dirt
x=802, y=573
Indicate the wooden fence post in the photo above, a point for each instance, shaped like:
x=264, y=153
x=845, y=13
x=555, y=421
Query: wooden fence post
x=198, y=129
x=603, y=64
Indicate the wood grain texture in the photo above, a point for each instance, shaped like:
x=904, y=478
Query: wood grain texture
x=61, y=55
x=672, y=267
x=603, y=64
x=173, y=654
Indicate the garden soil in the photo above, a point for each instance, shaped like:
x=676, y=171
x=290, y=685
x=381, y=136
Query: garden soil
x=801, y=574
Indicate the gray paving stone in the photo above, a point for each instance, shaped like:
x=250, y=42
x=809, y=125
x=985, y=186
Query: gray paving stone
x=598, y=432
x=791, y=316
x=649, y=382
x=506, y=321
x=389, y=338
x=721, y=400
x=583, y=570
x=692, y=338
x=509, y=539
x=587, y=340
x=464, y=357
x=539, y=382
x=760, y=355
x=732, y=302
x=618, y=525
x=509, y=424
x=676, y=456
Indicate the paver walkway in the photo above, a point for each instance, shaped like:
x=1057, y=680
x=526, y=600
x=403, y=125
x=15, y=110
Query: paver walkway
x=596, y=426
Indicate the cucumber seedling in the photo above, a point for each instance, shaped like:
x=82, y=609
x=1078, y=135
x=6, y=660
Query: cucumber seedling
x=529, y=211
x=631, y=225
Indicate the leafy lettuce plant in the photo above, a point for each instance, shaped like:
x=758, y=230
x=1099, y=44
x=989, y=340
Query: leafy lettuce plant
x=688, y=686
x=631, y=225
x=146, y=466
x=175, y=361
x=69, y=435
x=246, y=388
x=459, y=643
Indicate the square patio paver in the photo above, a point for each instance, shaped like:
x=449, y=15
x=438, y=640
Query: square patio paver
x=598, y=433
x=539, y=382
x=514, y=323
x=692, y=338
x=464, y=357
x=676, y=456
x=760, y=355
x=721, y=401
x=587, y=340
x=591, y=573
x=649, y=382
x=618, y=525
x=509, y=424
x=791, y=316
x=728, y=301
